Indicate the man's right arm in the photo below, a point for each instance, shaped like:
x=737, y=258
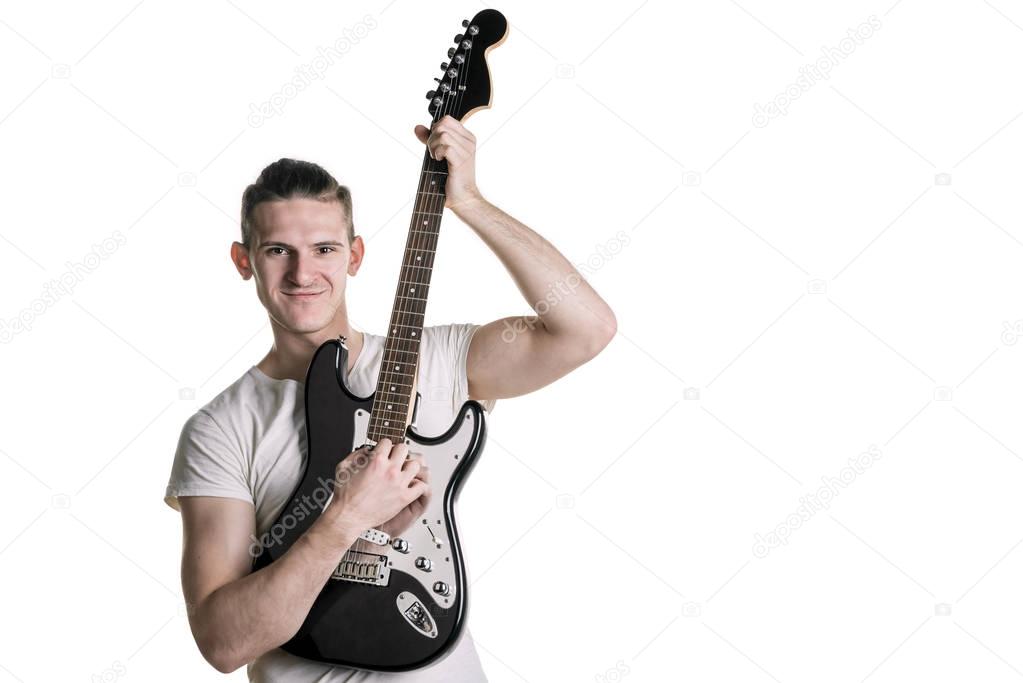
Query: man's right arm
x=236, y=615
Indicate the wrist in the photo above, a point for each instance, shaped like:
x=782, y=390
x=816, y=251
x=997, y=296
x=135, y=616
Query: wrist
x=338, y=527
x=466, y=203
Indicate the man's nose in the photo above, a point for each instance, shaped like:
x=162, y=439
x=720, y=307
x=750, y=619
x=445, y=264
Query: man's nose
x=301, y=271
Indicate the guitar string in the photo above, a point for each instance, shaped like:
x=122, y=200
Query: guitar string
x=385, y=379
x=404, y=306
x=416, y=243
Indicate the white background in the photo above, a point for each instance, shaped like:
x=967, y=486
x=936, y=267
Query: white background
x=789, y=296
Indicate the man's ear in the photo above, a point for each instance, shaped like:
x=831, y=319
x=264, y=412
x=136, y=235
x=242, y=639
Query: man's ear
x=358, y=250
x=240, y=256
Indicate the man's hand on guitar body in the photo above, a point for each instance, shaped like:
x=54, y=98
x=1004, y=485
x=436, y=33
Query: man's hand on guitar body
x=384, y=489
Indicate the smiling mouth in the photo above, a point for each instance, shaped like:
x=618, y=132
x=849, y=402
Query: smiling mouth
x=302, y=295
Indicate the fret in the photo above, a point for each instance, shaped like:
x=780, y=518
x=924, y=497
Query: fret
x=398, y=413
x=392, y=383
x=393, y=351
x=399, y=366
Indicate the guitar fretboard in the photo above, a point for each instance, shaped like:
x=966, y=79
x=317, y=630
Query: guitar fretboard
x=394, y=395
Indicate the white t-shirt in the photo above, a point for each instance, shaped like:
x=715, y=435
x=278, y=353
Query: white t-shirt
x=249, y=443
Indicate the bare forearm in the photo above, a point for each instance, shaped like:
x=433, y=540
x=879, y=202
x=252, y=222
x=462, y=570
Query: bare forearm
x=245, y=618
x=564, y=302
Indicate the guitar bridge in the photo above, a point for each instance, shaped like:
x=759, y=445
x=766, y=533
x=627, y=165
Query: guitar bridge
x=360, y=567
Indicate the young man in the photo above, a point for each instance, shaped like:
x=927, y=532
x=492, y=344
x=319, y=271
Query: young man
x=240, y=456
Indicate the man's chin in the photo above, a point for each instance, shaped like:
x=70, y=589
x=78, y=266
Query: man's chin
x=303, y=324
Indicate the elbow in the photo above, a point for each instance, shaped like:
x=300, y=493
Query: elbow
x=222, y=663
x=605, y=331
x=218, y=653
x=598, y=337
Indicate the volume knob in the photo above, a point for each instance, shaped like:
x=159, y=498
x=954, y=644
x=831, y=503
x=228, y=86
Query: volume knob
x=400, y=544
x=441, y=588
x=424, y=563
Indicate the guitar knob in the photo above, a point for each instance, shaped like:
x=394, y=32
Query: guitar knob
x=443, y=66
x=400, y=544
x=458, y=38
x=465, y=22
x=451, y=52
x=430, y=94
x=441, y=588
x=424, y=564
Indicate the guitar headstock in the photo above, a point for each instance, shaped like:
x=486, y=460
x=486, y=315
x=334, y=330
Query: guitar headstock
x=464, y=85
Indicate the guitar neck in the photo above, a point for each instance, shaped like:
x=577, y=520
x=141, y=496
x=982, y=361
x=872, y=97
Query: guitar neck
x=394, y=399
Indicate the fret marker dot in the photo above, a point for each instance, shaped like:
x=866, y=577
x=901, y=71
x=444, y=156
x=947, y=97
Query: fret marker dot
x=397, y=367
x=386, y=423
x=389, y=406
x=392, y=388
x=419, y=258
x=411, y=289
x=425, y=221
x=413, y=334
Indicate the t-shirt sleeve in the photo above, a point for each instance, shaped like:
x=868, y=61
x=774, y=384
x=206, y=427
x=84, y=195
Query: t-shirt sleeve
x=460, y=337
x=206, y=463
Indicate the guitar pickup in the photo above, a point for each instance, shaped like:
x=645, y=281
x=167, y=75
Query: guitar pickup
x=375, y=536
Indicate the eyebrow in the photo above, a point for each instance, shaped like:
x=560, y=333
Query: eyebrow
x=329, y=243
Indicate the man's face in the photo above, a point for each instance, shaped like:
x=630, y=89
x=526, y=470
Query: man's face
x=300, y=257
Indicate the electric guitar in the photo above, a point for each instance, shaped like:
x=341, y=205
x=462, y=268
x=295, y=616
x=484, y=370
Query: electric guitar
x=394, y=604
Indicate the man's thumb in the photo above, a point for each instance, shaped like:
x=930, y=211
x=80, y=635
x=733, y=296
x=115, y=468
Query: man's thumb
x=422, y=133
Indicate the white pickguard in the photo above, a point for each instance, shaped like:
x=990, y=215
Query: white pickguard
x=442, y=459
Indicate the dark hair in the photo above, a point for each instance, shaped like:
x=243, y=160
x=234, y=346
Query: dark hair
x=290, y=179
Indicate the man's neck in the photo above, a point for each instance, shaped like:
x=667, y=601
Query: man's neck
x=291, y=353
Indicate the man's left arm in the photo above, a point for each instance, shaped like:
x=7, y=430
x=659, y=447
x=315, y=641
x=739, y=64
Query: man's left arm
x=572, y=324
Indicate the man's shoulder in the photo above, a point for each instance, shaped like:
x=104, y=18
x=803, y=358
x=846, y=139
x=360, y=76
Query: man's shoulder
x=448, y=334
x=229, y=401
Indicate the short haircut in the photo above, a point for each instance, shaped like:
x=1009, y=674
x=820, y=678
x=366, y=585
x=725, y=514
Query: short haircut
x=293, y=179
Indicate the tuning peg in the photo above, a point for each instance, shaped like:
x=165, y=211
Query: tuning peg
x=458, y=38
x=443, y=66
x=431, y=94
x=451, y=52
x=465, y=22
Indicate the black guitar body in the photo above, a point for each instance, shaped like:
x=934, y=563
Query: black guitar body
x=407, y=623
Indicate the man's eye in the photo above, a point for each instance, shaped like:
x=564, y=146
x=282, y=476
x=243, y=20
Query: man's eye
x=274, y=250
x=329, y=249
